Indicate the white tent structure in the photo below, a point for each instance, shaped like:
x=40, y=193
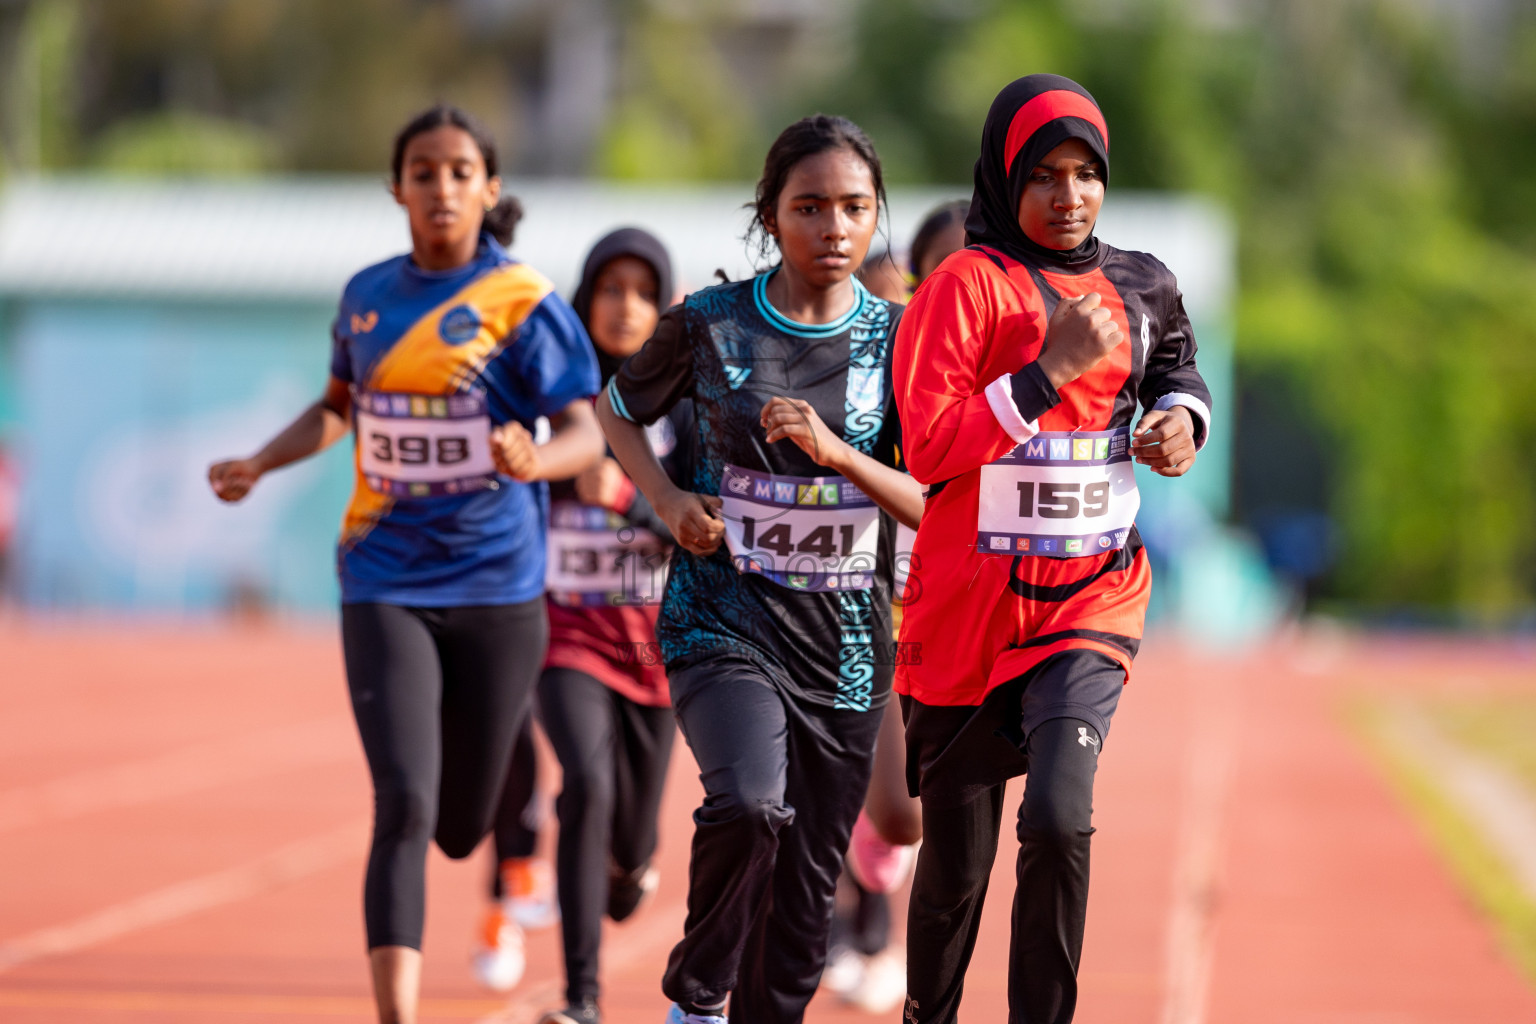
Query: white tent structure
x=296, y=240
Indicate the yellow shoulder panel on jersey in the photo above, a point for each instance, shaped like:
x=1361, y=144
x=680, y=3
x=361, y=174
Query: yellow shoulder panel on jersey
x=423, y=362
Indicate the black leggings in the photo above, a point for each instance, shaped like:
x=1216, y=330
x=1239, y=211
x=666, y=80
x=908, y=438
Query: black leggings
x=520, y=813
x=439, y=695
x=613, y=755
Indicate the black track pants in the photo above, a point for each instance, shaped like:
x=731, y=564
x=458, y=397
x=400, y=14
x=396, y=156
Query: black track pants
x=1050, y=903
x=613, y=755
x=783, y=783
x=439, y=695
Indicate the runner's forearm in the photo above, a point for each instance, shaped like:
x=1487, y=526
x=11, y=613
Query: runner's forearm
x=576, y=445
x=313, y=430
x=634, y=453
x=893, y=490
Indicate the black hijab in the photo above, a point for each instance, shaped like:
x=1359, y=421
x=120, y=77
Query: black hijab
x=1029, y=118
x=624, y=242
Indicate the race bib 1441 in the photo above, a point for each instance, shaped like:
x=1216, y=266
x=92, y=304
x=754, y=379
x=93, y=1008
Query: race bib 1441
x=422, y=446
x=1061, y=494
x=804, y=533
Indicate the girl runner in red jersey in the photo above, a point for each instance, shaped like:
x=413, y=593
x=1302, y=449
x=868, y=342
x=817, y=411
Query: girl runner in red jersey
x=442, y=360
x=1019, y=368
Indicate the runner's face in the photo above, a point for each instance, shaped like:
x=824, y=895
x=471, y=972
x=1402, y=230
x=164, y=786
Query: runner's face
x=949, y=240
x=625, y=306
x=444, y=189
x=825, y=217
x=1062, y=197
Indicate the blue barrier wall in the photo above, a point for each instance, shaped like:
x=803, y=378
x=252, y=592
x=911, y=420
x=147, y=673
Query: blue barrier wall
x=121, y=407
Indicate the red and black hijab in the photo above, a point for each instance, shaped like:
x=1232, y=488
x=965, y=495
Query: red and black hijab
x=1030, y=117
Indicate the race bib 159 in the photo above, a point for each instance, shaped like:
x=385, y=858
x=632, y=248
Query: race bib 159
x=1061, y=494
x=423, y=446
x=804, y=533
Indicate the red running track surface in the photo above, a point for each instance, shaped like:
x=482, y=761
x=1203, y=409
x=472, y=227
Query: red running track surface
x=184, y=815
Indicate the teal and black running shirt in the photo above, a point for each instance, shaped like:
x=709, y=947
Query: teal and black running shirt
x=803, y=589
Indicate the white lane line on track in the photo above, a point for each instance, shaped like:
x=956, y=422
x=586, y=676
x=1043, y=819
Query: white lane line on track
x=191, y=769
x=192, y=896
x=1495, y=801
x=1197, y=874
x=623, y=945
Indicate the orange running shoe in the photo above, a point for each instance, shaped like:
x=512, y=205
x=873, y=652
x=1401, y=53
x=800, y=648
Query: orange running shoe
x=499, y=959
x=528, y=892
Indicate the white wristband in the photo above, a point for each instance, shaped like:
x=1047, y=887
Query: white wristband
x=1000, y=398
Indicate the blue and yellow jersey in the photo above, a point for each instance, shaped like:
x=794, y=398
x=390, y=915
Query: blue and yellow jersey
x=434, y=360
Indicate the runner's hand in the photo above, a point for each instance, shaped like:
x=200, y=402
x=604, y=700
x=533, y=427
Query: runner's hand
x=694, y=520
x=796, y=420
x=233, y=479
x=1165, y=441
x=515, y=454
x=600, y=484
x=1080, y=334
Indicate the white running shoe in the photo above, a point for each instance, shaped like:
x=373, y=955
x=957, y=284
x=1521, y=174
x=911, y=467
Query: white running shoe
x=844, y=972
x=528, y=892
x=675, y=1015
x=883, y=985
x=499, y=959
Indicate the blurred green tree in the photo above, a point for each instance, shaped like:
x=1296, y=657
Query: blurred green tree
x=208, y=86
x=679, y=113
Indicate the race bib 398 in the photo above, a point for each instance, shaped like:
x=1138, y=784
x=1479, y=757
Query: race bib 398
x=423, y=446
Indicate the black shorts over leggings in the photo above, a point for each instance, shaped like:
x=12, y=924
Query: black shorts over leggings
x=439, y=695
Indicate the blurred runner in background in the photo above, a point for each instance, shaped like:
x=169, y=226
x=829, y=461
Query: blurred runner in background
x=603, y=695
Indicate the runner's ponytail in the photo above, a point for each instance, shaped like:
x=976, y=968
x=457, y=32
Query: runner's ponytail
x=501, y=220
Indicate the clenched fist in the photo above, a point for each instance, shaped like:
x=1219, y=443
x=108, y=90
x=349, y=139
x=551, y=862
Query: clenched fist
x=233, y=479
x=600, y=484
x=1081, y=333
x=1164, y=440
x=694, y=520
x=515, y=454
